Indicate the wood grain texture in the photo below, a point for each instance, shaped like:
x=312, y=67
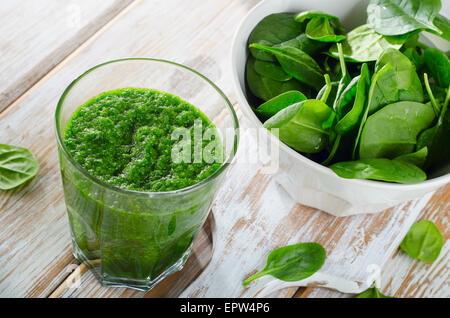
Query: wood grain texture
x=37, y=35
x=35, y=253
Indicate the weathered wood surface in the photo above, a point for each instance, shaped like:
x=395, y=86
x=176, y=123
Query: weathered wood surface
x=252, y=213
x=37, y=35
x=403, y=276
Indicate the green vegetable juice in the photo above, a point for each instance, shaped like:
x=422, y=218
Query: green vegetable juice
x=128, y=220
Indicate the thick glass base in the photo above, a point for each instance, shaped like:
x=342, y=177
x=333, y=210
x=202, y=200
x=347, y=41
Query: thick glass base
x=139, y=284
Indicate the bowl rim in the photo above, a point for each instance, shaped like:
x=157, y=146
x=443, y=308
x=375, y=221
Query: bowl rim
x=225, y=164
x=242, y=100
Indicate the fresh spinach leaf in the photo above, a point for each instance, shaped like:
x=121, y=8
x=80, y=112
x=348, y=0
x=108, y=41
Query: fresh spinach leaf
x=300, y=125
x=324, y=97
x=443, y=24
x=296, y=63
x=273, y=106
x=417, y=59
x=363, y=44
x=372, y=293
x=383, y=116
x=293, y=262
x=433, y=101
x=320, y=29
x=396, y=17
x=267, y=88
x=328, y=88
x=331, y=95
x=306, y=15
x=336, y=143
x=335, y=115
x=351, y=119
x=408, y=82
x=392, y=131
x=274, y=29
x=347, y=96
x=423, y=241
x=379, y=169
x=417, y=158
x=385, y=89
x=439, y=66
x=412, y=41
x=271, y=70
x=345, y=78
x=17, y=166
x=305, y=44
x=437, y=138
x=384, y=76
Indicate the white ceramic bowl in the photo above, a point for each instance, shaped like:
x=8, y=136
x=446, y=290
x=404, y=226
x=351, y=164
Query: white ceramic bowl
x=308, y=182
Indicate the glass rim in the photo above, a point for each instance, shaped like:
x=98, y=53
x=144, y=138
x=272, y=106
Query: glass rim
x=93, y=178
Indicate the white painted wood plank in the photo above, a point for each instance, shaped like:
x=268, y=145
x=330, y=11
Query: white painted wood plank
x=36, y=35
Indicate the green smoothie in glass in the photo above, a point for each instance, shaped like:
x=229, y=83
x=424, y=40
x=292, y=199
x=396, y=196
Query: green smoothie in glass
x=140, y=167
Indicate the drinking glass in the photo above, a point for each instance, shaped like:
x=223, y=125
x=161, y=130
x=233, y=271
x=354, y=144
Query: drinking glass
x=132, y=238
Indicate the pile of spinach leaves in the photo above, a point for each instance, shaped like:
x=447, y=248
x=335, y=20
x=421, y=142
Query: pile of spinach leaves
x=371, y=103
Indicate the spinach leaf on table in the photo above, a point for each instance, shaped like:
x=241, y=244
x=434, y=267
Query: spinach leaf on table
x=17, y=166
x=381, y=169
x=392, y=131
x=265, y=87
x=274, y=29
x=300, y=125
x=372, y=293
x=273, y=106
x=363, y=44
x=293, y=262
x=296, y=63
x=396, y=17
x=417, y=158
x=271, y=70
x=423, y=241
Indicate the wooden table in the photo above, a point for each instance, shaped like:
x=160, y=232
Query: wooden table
x=45, y=44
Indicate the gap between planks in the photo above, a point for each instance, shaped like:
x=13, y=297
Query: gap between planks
x=67, y=57
x=68, y=281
